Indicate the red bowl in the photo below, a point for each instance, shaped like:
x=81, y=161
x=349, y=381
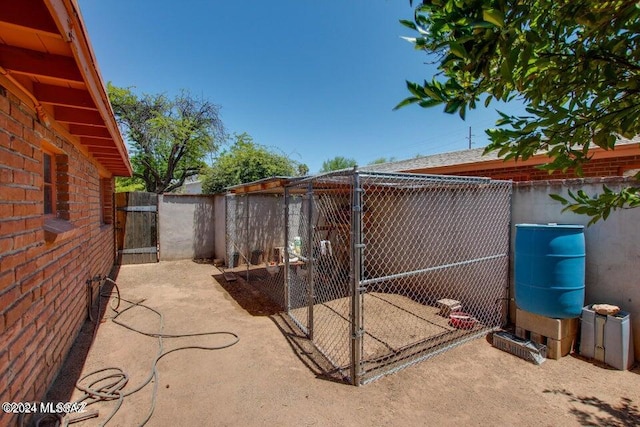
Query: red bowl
x=461, y=320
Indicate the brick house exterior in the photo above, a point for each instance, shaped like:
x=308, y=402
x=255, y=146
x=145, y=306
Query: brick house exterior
x=59, y=152
x=619, y=162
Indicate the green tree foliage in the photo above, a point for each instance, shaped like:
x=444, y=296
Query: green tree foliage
x=337, y=163
x=381, y=160
x=245, y=161
x=303, y=169
x=574, y=64
x=128, y=184
x=168, y=138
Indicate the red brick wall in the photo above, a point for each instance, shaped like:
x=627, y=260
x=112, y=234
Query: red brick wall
x=595, y=168
x=43, y=291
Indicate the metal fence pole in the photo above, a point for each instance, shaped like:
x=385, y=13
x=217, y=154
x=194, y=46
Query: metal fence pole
x=231, y=211
x=227, y=231
x=246, y=258
x=507, y=266
x=310, y=228
x=287, y=306
x=356, y=289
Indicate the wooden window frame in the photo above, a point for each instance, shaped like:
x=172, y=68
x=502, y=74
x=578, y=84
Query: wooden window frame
x=49, y=211
x=102, y=204
x=57, y=226
x=106, y=200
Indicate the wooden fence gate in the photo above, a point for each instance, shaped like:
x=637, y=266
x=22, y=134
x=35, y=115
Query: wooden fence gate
x=137, y=227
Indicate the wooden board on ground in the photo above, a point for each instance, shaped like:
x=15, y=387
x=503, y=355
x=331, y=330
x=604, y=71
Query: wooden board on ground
x=230, y=276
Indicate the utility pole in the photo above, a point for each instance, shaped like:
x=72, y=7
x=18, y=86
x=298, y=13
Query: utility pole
x=469, y=138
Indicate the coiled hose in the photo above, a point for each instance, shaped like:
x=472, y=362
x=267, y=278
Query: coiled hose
x=108, y=384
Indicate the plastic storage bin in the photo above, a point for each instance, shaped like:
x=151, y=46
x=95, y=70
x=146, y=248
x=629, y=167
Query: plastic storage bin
x=607, y=338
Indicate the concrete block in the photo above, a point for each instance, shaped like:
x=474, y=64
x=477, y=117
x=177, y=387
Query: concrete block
x=546, y=326
x=448, y=305
x=559, y=348
x=537, y=338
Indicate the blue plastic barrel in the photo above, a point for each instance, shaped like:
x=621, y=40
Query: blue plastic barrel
x=549, y=269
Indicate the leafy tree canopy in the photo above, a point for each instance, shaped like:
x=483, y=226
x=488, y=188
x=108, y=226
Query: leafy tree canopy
x=303, y=169
x=574, y=64
x=245, y=161
x=381, y=160
x=124, y=185
x=169, y=139
x=337, y=163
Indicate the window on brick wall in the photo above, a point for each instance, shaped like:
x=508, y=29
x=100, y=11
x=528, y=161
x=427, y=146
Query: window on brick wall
x=106, y=201
x=55, y=194
x=49, y=183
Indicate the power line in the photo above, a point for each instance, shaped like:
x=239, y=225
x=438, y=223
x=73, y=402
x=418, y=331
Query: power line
x=444, y=139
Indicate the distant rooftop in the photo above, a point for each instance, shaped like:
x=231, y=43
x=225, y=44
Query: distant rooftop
x=432, y=161
x=457, y=158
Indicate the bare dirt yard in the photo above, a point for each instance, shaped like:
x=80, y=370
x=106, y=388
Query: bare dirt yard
x=266, y=380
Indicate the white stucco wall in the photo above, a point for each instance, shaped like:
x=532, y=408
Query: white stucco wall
x=612, y=246
x=186, y=225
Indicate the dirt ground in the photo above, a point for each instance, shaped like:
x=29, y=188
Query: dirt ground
x=265, y=379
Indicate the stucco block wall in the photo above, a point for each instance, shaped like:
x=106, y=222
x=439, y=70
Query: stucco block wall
x=187, y=225
x=612, y=246
x=43, y=290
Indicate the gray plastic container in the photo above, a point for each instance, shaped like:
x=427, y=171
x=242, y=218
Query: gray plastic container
x=607, y=338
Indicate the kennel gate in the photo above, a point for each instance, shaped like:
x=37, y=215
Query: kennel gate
x=375, y=262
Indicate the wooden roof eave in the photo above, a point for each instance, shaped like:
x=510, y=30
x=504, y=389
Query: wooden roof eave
x=267, y=185
x=66, y=15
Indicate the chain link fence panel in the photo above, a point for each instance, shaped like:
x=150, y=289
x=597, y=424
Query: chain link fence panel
x=386, y=270
x=255, y=228
x=378, y=271
x=434, y=266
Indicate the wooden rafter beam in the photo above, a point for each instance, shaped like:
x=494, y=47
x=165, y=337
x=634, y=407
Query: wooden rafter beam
x=91, y=132
x=63, y=96
x=272, y=184
x=106, y=149
x=36, y=63
x=115, y=167
x=114, y=155
x=68, y=20
x=77, y=116
x=96, y=142
x=113, y=161
x=275, y=184
x=32, y=14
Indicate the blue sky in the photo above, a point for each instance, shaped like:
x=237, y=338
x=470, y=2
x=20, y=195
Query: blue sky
x=313, y=80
